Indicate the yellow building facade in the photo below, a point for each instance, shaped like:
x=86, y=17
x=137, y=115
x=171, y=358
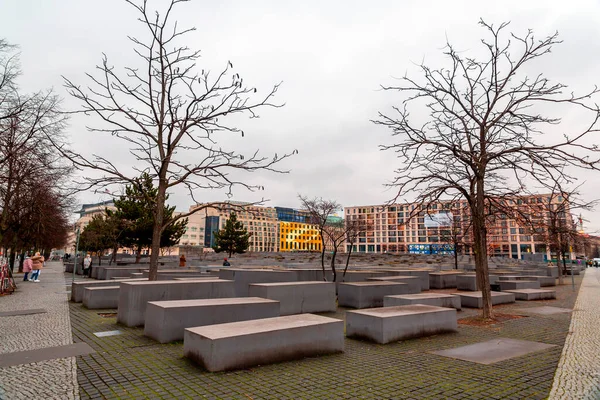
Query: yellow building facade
x=296, y=236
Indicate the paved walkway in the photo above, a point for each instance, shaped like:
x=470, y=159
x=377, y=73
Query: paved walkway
x=578, y=372
x=50, y=379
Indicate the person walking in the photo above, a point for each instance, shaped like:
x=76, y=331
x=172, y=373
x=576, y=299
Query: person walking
x=87, y=265
x=37, y=265
x=27, y=267
x=182, y=260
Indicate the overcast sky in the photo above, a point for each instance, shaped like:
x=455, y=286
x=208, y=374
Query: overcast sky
x=331, y=57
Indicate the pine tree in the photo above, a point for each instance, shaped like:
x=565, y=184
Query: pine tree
x=233, y=238
x=135, y=208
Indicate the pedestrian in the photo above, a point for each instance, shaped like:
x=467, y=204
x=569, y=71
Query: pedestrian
x=182, y=260
x=37, y=265
x=87, y=265
x=226, y=263
x=27, y=267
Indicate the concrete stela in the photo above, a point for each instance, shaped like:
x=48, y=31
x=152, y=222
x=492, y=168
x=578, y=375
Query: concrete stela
x=495, y=350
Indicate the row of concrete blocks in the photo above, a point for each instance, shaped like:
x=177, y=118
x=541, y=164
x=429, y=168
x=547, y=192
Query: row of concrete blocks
x=295, y=297
x=165, y=321
x=245, y=344
x=506, y=282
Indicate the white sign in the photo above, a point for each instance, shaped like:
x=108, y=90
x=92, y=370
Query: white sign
x=438, y=220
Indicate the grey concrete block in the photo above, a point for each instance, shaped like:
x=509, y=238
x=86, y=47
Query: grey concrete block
x=107, y=273
x=443, y=279
x=78, y=287
x=423, y=274
x=358, y=276
x=518, y=284
x=133, y=296
x=466, y=282
x=475, y=299
x=390, y=324
x=166, y=320
x=264, y=341
x=542, y=279
x=298, y=297
x=533, y=294
x=311, y=274
x=413, y=282
x=368, y=294
x=429, y=299
x=243, y=277
x=101, y=297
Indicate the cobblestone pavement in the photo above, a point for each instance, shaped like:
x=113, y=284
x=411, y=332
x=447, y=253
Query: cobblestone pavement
x=578, y=372
x=51, y=379
x=133, y=366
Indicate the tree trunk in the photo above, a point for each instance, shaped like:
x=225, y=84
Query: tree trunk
x=347, y=261
x=480, y=247
x=159, y=212
x=333, y=264
x=21, y=261
x=455, y=256
x=11, y=260
x=323, y=257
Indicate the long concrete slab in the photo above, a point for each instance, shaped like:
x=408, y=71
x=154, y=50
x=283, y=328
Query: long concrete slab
x=429, y=299
x=167, y=320
x=518, y=284
x=133, y=296
x=78, y=287
x=107, y=273
x=475, y=299
x=263, y=341
x=390, y=324
x=533, y=294
x=298, y=297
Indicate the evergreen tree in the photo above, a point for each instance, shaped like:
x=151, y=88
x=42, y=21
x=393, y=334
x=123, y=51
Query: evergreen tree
x=135, y=208
x=233, y=238
x=95, y=238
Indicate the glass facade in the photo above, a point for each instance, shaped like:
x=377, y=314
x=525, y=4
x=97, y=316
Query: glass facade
x=292, y=215
x=212, y=226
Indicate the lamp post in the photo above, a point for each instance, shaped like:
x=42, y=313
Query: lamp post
x=76, y=251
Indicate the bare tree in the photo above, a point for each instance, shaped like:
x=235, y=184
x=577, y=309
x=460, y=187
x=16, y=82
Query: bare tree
x=354, y=229
x=557, y=225
x=169, y=112
x=319, y=211
x=485, y=138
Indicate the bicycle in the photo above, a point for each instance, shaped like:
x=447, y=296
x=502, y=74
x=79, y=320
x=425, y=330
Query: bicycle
x=7, y=282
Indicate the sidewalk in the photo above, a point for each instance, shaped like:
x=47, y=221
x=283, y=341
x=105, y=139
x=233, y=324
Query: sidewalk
x=578, y=373
x=48, y=326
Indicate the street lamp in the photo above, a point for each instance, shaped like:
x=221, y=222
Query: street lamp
x=76, y=251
